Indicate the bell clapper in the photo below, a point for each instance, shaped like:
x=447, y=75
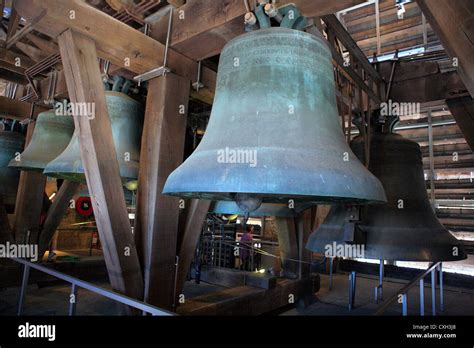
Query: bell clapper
x=248, y=202
x=245, y=219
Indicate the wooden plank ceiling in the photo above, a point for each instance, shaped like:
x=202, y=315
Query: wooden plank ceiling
x=395, y=33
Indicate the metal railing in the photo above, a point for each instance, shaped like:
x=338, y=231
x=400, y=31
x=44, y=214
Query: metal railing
x=77, y=283
x=215, y=252
x=402, y=293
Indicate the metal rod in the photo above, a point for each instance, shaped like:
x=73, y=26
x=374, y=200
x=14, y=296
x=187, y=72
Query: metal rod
x=422, y=297
x=176, y=265
x=425, y=31
x=441, y=296
x=433, y=291
x=331, y=262
x=93, y=288
x=404, y=305
x=198, y=82
x=352, y=287
x=219, y=260
x=72, y=300
x=432, y=168
x=170, y=22
x=381, y=273
x=388, y=303
x=392, y=73
x=24, y=285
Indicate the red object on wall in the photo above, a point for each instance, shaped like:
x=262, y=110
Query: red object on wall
x=84, y=206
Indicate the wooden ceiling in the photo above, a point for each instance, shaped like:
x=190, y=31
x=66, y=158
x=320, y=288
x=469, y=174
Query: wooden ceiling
x=395, y=33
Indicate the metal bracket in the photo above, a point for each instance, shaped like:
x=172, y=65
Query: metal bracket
x=198, y=84
x=292, y=18
x=263, y=19
x=162, y=70
x=350, y=232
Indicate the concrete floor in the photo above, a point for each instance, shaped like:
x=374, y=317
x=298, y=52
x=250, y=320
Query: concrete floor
x=53, y=299
x=456, y=301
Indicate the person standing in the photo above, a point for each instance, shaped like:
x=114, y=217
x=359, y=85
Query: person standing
x=245, y=248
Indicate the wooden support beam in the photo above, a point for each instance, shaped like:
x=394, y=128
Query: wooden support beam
x=462, y=110
x=55, y=215
x=52, y=17
x=34, y=53
x=157, y=215
x=16, y=60
x=11, y=75
x=452, y=21
x=13, y=24
x=351, y=46
x=304, y=229
x=2, y=6
x=208, y=25
x=81, y=68
x=13, y=66
x=422, y=82
x=6, y=233
x=285, y=229
x=18, y=110
x=176, y=3
x=49, y=47
x=195, y=216
x=19, y=35
x=29, y=201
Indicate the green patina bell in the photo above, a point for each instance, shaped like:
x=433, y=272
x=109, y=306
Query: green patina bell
x=51, y=135
x=126, y=118
x=274, y=131
x=11, y=144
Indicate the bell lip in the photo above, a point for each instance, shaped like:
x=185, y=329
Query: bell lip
x=317, y=245
x=122, y=95
x=79, y=177
x=29, y=167
x=275, y=198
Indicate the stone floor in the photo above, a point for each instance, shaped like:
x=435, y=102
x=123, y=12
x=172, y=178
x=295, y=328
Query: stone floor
x=335, y=302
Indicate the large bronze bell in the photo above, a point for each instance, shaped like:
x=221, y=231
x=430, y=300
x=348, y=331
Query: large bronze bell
x=51, y=135
x=274, y=131
x=126, y=118
x=11, y=144
x=405, y=228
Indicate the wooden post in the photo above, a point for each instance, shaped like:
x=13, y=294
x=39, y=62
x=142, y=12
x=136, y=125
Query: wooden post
x=157, y=215
x=29, y=201
x=196, y=214
x=55, y=215
x=101, y=167
x=304, y=230
x=462, y=110
x=285, y=228
x=6, y=233
x=452, y=23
